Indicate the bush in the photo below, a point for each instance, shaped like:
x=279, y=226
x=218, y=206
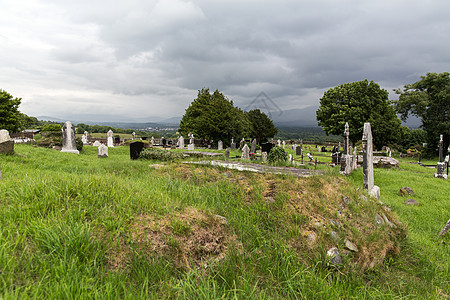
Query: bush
x=159, y=154
x=51, y=127
x=49, y=139
x=277, y=155
x=79, y=144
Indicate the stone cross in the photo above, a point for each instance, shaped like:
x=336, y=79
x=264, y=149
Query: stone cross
x=253, y=146
x=102, y=151
x=110, y=141
x=346, y=141
x=441, y=149
x=441, y=165
x=245, y=152
x=219, y=145
x=133, y=135
x=68, y=140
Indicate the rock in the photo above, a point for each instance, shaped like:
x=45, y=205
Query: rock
x=411, y=202
x=445, y=229
x=350, y=246
x=336, y=258
x=334, y=235
x=311, y=236
x=375, y=192
x=379, y=220
x=335, y=223
x=392, y=225
x=222, y=219
x=385, y=162
x=405, y=191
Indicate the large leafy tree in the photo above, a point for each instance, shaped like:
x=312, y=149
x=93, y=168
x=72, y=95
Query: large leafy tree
x=357, y=103
x=10, y=116
x=262, y=127
x=212, y=116
x=428, y=99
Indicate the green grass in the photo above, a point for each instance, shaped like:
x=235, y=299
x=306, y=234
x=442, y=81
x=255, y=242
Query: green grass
x=77, y=226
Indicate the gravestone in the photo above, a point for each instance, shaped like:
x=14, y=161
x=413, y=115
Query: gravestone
x=346, y=141
x=264, y=156
x=233, y=144
x=227, y=153
x=181, y=142
x=266, y=147
x=253, y=149
x=6, y=143
x=136, y=149
x=219, y=145
x=290, y=158
x=346, y=161
x=279, y=143
x=441, y=165
x=191, y=138
x=368, y=178
x=110, y=141
x=298, y=151
x=284, y=144
x=117, y=140
x=96, y=144
x=84, y=138
x=133, y=135
x=68, y=140
x=190, y=147
x=102, y=151
x=245, y=152
x=241, y=143
x=152, y=140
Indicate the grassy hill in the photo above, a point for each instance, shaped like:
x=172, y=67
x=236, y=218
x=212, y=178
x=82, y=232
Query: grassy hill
x=77, y=226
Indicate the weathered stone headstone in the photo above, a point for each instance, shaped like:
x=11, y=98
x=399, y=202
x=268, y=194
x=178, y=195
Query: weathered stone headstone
x=279, y=143
x=253, y=149
x=245, y=152
x=110, y=141
x=264, y=156
x=284, y=144
x=191, y=138
x=102, y=151
x=219, y=145
x=346, y=140
x=84, y=138
x=441, y=165
x=152, y=140
x=136, y=149
x=241, y=143
x=181, y=142
x=191, y=147
x=298, y=150
x=290, y=158
x=368, y=179
x=133, y=135
x=68, y=140
x=347, y=159
x=6, y=143
x=233, y=144
x=227, y=153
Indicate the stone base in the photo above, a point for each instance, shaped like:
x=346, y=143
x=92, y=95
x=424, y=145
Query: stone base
x=441, y=170
x=191, y=147
x=70, y=151
x=7, y=147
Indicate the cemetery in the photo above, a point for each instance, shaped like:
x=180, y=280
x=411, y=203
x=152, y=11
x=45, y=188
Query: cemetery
x=189, y=206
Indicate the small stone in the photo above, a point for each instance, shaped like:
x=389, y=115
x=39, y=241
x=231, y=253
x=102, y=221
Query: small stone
x=335, y=223
x=336, y=258
x=311, y=236
x=350, y=245
x=379, y=220
x=406, y=191
x=222, y=219
x=392, y=225
x=411, y=202
x=334, y=235
x=346, y=200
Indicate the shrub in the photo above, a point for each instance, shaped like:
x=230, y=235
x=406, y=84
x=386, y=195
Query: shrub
x=49, y=139
x=160, y=154
x=79, y=144
x=277, y=155
x=51, y=127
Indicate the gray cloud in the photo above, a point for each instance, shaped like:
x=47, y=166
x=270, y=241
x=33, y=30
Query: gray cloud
x=147, y=58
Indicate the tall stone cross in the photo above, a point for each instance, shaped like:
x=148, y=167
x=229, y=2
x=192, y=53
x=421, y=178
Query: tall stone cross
x=346, y=142
x=441, y=149
x=368, y=181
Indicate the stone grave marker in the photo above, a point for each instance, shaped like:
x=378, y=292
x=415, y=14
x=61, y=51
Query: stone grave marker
x=264, y=156
x=233, y=144
x=368, y=178
x=84, y=138
x=279, y=143
x=96, y=144
x=441, y=165
x=102, y=151
x=191, y=147
x=219, y=145
x=266, y=147
x=181, y=142
x=253, y=149
x=227, y=153
x=284, y=144
x=6, y=143
x=136, y=149
x=245, y=152
x=110, y=141
x=133, y=135
x=298, y=150
x=68, y=141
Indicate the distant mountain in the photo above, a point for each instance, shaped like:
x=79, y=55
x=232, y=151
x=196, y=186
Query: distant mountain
x=303, y=117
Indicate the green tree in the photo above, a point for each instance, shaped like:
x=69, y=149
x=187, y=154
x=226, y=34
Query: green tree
x=357, y=103
x=261, y=126
x=212, y=116
x=51, y=127
x=10, y=116
x=428, y=99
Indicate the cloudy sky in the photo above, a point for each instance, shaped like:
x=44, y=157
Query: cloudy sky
x=146, y=60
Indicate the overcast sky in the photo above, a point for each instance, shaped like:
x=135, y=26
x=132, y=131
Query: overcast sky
x=144, y=59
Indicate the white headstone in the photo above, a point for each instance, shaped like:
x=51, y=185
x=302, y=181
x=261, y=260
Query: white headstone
x=110, y=135
x=245, y=152
x=96, y=144
x=181, y=142
x=284, y=144
x=152, y=140
x=191, y=147
x=219, y=145
x=68, y=141
x=102, y=151
x=264, y=156
x=279, y=143
x=4, y=136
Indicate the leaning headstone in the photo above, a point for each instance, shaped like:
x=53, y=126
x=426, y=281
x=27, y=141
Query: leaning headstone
x=110, y=142
x=181, y=142
x=96, y=144
x=245, y=152
x=368, y=179
x=136, y=149
x=219, y=145
x=6, y=143
x=227, y=153
x=253, y=149
x=102, y=151
x=68, y=140
x=441, y=165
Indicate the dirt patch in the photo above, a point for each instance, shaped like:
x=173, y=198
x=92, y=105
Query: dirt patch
x=191, y=238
